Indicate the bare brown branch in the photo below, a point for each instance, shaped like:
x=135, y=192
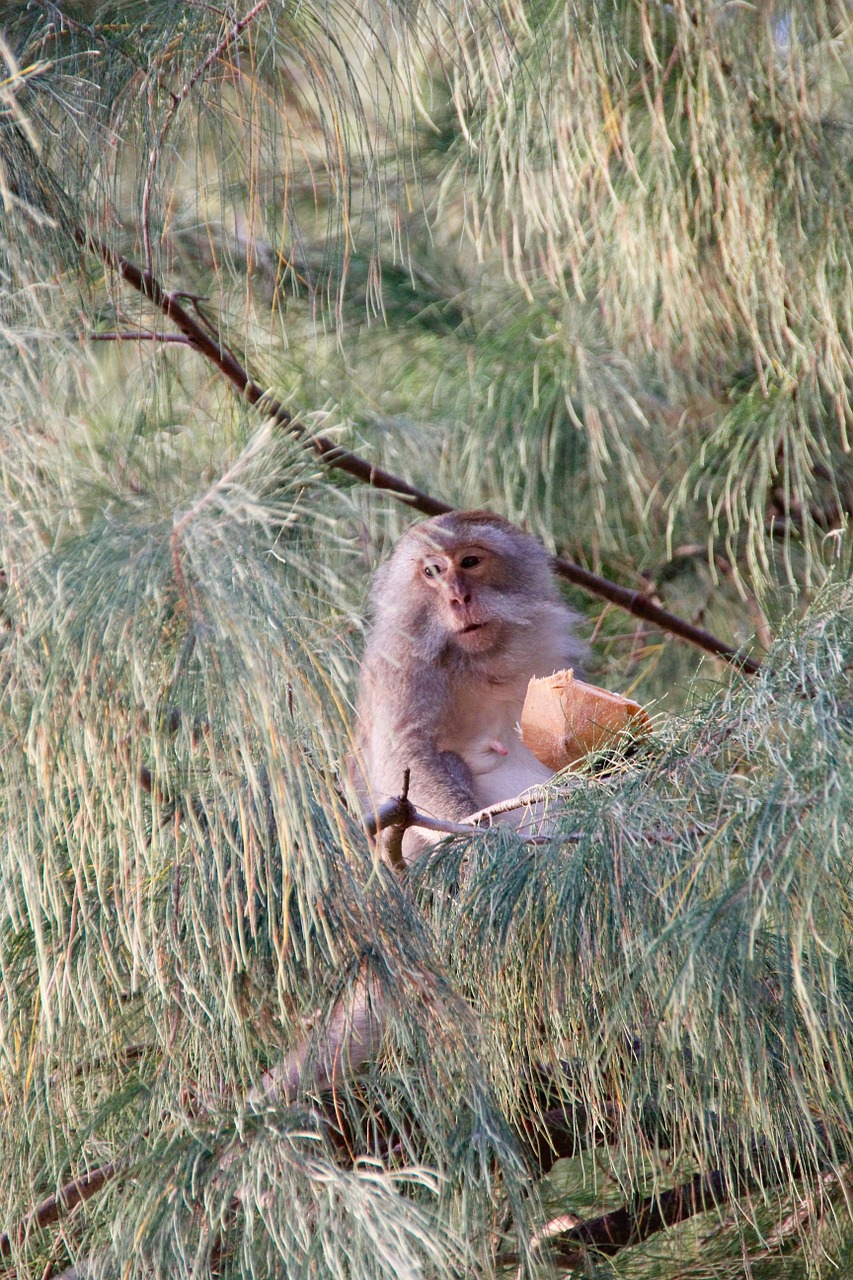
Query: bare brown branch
x=74, y=1193
x=634, y=602
x=632, y=1224
x=621, y=1228
x=398, y=814
x=139, y=335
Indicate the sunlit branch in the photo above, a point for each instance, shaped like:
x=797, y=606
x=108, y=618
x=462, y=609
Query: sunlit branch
x=530, y=796
x=399, y=814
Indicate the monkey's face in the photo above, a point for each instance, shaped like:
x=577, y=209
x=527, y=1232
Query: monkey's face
x=463, y=585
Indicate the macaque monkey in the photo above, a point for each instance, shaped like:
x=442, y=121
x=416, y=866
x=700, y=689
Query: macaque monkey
x=465, y=612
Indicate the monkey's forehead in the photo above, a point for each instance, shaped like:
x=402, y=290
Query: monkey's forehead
x=447, y=543
x=464, y=528
x=454, y=520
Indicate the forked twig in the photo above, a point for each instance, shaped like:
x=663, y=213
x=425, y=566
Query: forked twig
x=399, y=814
x=232, y=35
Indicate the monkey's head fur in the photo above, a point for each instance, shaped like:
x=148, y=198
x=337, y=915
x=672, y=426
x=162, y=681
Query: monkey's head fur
x=459, y=585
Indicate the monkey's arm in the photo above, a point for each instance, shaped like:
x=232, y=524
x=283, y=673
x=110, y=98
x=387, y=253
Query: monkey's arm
x=351, y=1038
x=400, y=728
x=440, y=782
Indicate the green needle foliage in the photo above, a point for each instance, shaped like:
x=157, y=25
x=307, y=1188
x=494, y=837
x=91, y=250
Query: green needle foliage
x=590, y=265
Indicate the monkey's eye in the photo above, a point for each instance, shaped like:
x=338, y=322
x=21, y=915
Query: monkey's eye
x=432, y=570
x=469, y=562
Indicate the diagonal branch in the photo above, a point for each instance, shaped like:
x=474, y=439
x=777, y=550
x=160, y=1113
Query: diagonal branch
x=220, y=355
x=74, y=1193
x=216, y=351
x=632, y=1224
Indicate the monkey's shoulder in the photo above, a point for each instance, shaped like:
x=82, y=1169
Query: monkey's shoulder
x=558, y=644
x=547, y=643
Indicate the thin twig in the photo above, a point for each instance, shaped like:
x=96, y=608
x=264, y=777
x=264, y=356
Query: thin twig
x=177, y=99
x=139, y=335
x=635, y=602
x=530, y=796
x=124, y=1057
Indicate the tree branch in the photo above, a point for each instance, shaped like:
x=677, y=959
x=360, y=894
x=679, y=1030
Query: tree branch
x=398, y=814
x=632, y=1224
x=621, y=1228
x=537, y=794
x=64, y=1201
x=139, y=335
x=216, y=351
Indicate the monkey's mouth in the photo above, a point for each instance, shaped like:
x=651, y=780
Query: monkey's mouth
x=472, y=626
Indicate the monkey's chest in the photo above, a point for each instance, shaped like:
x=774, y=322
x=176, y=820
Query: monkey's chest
x=482, y=728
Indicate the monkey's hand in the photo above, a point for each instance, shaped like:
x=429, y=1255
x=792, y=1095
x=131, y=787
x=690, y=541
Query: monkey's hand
x=440, y=786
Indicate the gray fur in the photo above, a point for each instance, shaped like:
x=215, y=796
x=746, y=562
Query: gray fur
x=430, y=702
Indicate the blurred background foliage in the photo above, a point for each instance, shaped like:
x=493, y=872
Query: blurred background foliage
x=588, y=264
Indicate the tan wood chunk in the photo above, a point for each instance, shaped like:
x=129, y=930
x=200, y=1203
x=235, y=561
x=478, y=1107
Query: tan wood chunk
x=563, y=719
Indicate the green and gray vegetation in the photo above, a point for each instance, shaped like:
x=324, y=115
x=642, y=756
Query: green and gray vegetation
x=587, y=264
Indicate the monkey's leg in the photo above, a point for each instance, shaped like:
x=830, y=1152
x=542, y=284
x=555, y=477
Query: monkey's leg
x=327, y=1058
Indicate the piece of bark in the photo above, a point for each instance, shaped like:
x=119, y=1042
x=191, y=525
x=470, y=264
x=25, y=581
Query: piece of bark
x=563, y=719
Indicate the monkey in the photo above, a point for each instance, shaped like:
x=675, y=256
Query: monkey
x=465, y=611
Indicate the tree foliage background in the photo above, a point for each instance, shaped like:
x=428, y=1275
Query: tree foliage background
x=589, y=265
